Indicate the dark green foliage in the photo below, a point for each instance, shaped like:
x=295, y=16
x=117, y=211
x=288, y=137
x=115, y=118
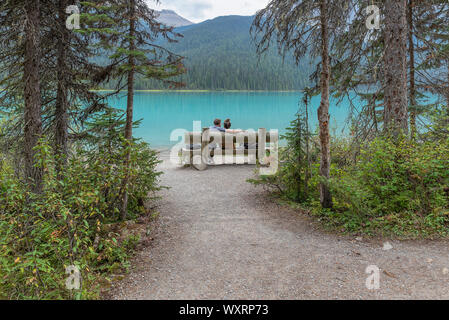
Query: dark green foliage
x=128, y=35
x=219, y=55
x=390, y=187
x=106, y=146
x=293, y=178
x=139, y=53
x=439, y=118
x=66, y=219
x=395, y=187
x=42, y=234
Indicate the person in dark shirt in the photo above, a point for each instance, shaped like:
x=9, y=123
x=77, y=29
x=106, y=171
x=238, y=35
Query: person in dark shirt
x=227, y=126
x=217, y=126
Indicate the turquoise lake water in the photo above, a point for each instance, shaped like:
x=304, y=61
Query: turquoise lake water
x=163, y=112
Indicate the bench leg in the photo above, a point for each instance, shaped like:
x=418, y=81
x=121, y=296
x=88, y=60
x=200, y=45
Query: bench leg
x=198, y=162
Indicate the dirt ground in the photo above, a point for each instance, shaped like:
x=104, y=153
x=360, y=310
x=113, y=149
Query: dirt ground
x=219, y=237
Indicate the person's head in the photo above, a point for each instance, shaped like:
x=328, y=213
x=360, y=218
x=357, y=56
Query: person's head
x=217, y=122
x=227, y=124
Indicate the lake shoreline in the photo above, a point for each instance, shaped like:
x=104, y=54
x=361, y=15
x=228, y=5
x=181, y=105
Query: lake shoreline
x=201, y=91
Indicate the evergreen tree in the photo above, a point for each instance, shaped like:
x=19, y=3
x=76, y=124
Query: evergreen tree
x=296, y=159
x=411, y=65
x=432, y=34
x=395, y=67
x=365, y=62
x=75, y=75
x=131, y=32
x=20, y=56
x=63, y=71
x=304, y=27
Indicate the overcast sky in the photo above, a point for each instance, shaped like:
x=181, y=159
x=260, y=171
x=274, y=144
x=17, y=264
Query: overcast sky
x=200, y=10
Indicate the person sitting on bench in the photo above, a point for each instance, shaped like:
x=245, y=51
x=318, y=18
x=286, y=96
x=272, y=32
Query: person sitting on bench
x=227, y=126
x=246, y=146
x=226, y=129
x=217, y=126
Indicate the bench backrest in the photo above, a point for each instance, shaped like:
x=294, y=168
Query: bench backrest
x=243, y=137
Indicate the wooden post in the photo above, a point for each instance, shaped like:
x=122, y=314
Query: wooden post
x=240, y=153
x=199, y=161
x=273, y=159
x=261, y=144
x=188, y=137
x=229, y=149
x=251, y=140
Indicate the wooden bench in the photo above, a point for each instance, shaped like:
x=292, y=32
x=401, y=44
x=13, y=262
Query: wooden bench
x=201, y=148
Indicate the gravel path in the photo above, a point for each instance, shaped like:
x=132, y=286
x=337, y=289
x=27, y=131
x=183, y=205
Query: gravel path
x=219, y=237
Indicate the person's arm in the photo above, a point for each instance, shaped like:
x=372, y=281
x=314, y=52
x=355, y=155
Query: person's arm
x=234, y=131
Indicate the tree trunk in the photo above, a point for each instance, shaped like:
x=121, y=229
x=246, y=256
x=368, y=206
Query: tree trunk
x=300, y=158
x=32, y=112
x=447, y=87
x=307, y=171
x=323, y=110
x=396, y=104
x=61, y=113
x=411, y=52
x=129, y=109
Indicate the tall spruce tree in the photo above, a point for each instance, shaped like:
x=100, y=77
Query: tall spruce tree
x=301, y=28
x=395, y=67
x=412, y=65
x=358, y=70
x=75, y=74
x=20, y=56
x=432, y=37
x=32, y=93
x=367, y=64
x=62, y=99
x=130, y=39
x=53, y=59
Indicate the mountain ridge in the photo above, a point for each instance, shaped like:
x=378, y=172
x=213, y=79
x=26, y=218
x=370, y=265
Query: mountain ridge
x=172, y=19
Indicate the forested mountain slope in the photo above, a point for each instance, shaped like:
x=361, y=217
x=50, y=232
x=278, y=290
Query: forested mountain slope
x=220, y=55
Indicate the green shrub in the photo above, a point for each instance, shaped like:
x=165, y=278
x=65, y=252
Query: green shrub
x=392, y=187
x=294, y=178
x=42, y=234
x=398, y=187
